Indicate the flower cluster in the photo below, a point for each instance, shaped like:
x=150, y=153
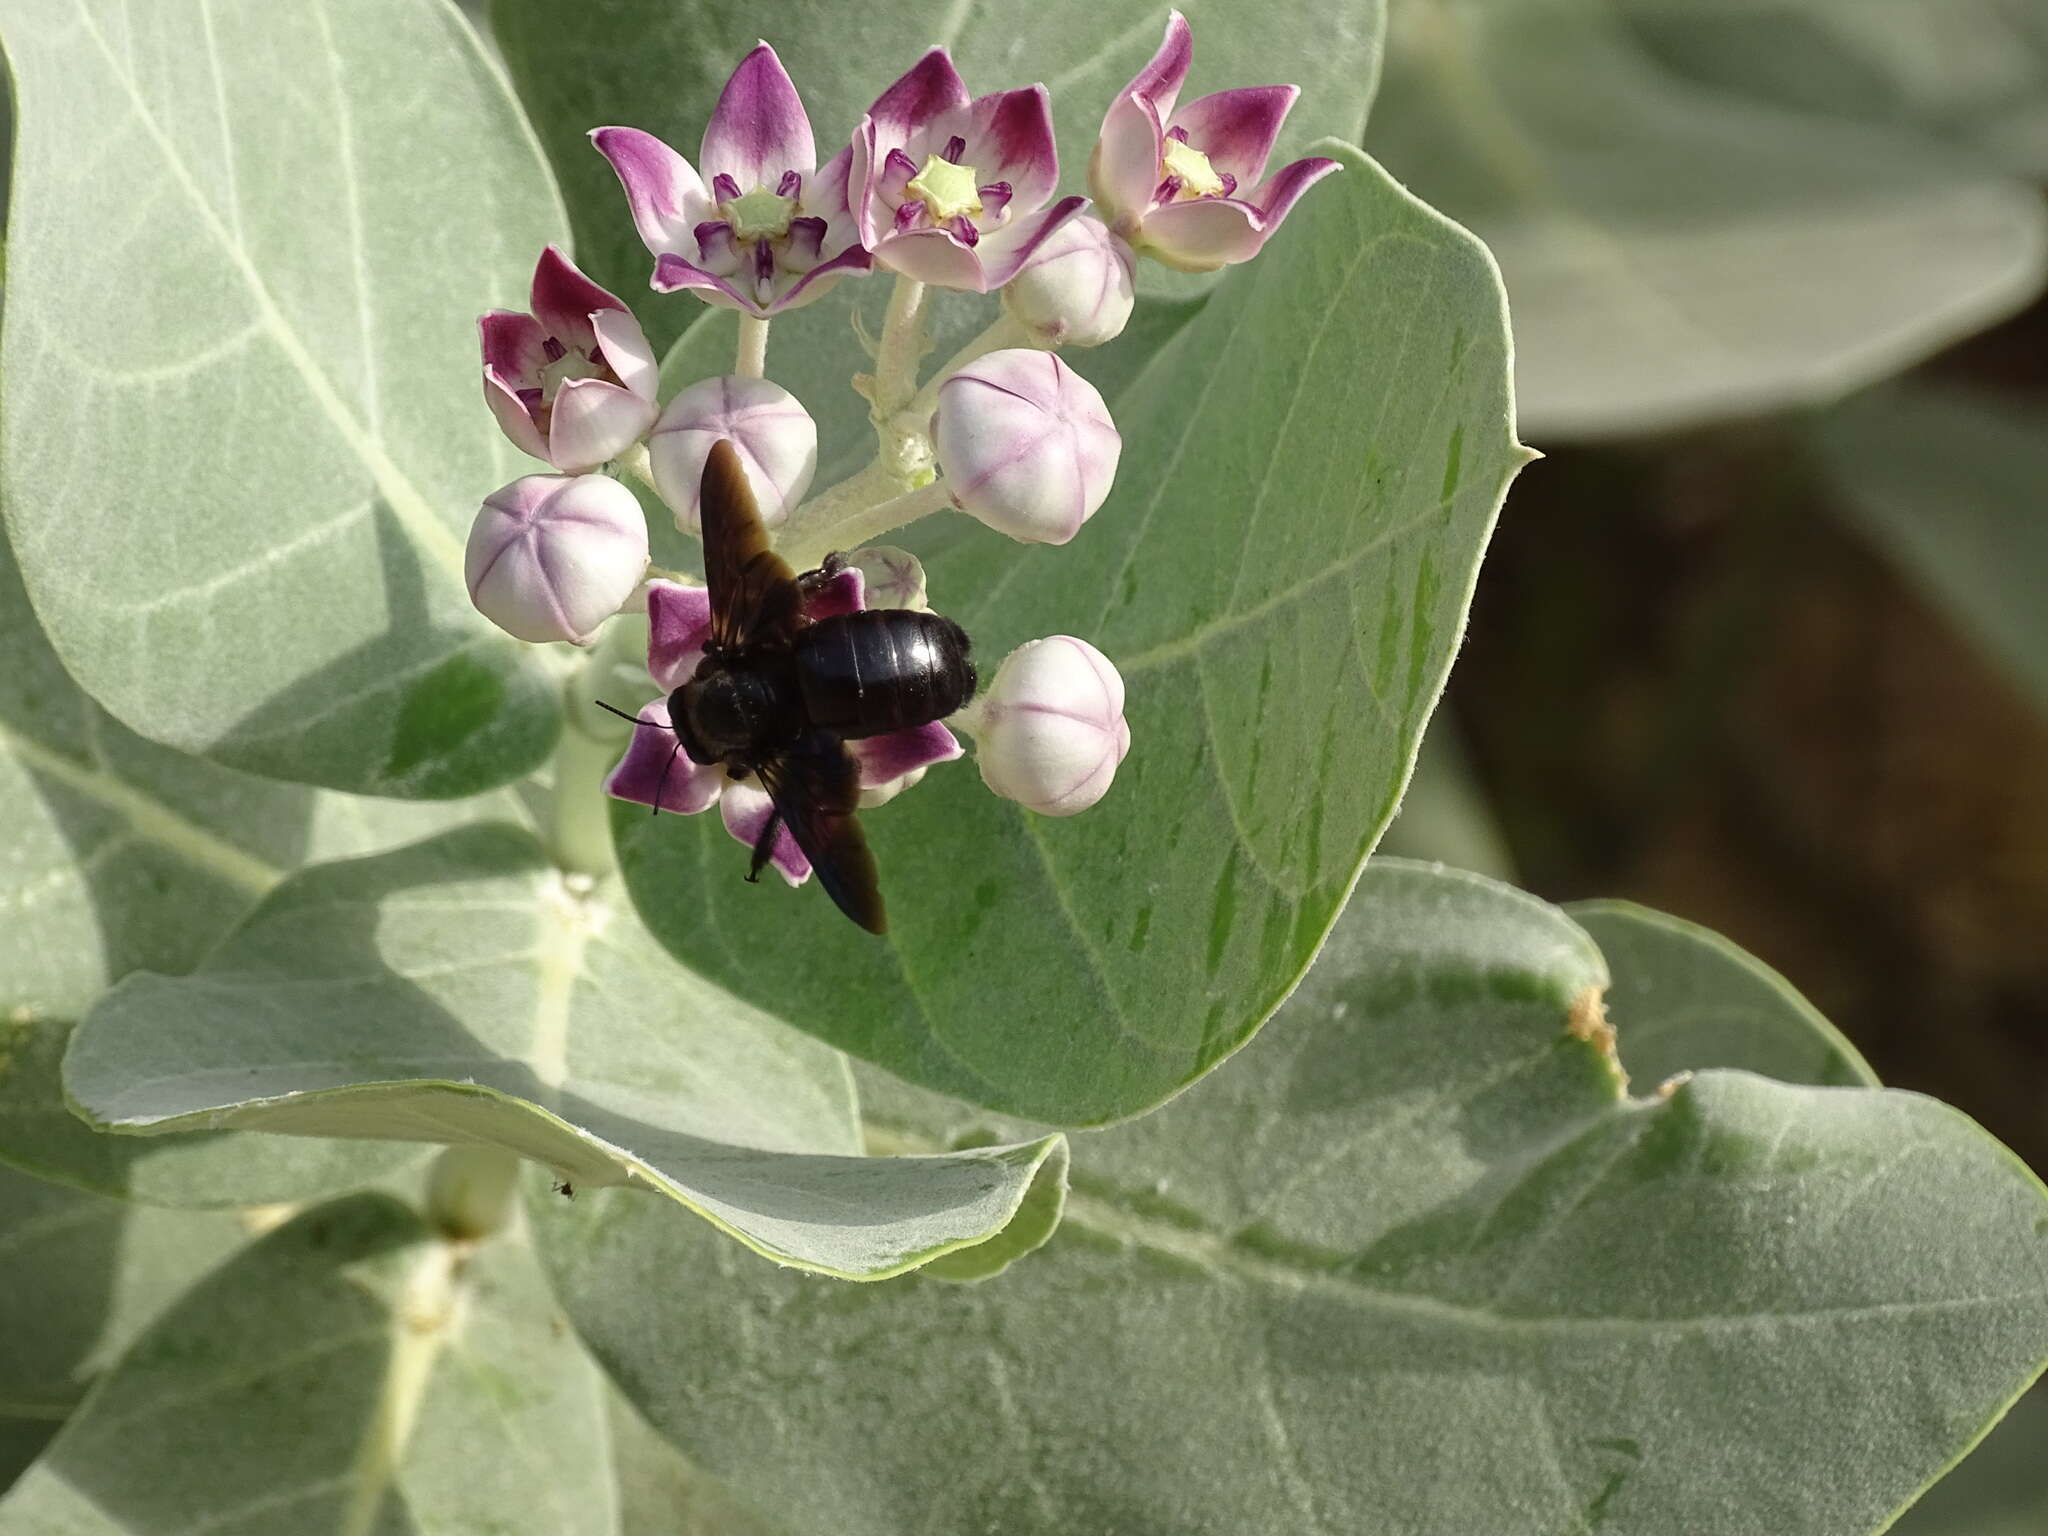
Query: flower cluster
x=940, y=188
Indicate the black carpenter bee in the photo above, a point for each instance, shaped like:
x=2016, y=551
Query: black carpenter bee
x=778, y=696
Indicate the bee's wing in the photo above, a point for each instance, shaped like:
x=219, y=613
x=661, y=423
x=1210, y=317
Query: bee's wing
x=816, y=790
x=755, y=599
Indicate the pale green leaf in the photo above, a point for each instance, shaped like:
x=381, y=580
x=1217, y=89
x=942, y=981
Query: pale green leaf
x=1948, y=484
x=458, y=992
x=1311, y=467
x=83, y=1276
x=1975, y=71
x=243, y=437
x=1414, y=1264
x=659, y=66
x=1444, y=815
x=350, y=1373
x=1686, y=999
x=123, y=855
x=1676, y=254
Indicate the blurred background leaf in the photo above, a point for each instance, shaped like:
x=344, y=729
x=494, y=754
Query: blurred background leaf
x=1677, y=254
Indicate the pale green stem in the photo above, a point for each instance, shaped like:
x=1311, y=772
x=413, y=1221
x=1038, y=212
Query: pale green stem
x=854, y=494
x=1003, y=332
x=900, y=350
x=861, y=525
x=751, y=361
x=633, y=461
x=578, y=829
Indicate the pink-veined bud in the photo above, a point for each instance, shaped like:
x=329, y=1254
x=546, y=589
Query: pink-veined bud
x=1050, y=731
x=890, y=577
x=775, y=436
x=551, y=557
x=1026, y=444
x=1075, y=291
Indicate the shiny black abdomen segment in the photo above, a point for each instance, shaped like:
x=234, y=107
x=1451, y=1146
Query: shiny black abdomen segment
x=883, y=669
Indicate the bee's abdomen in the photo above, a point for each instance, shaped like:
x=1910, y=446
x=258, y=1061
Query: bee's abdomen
x=883, y=669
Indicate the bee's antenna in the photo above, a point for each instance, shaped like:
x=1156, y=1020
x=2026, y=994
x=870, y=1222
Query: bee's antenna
x=614, y=709
x=662, y=783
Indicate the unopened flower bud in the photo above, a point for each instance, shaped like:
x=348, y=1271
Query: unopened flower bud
x=551, y=557
x=890, y=577
x=1026, y=444
x=1075, y=291
x=1050, y=732
x=775, y=436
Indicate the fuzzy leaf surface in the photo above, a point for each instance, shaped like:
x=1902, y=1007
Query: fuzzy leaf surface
x=243, y=439
x=1415, y=1264
x=457, y=992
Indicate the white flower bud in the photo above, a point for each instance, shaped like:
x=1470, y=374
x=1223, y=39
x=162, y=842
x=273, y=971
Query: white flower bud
x=1075, y=291
x=551, y=557
x=1026, y=444
x=775, y=436
x=1050, y=731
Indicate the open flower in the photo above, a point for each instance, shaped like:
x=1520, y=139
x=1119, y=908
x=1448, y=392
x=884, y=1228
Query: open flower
x=950, y=189
x=1185, y=185
x=551, y=557
x=1026, y=444
x=762, y=228
x=657, y=772
x=573, y=382
x=1050, y=732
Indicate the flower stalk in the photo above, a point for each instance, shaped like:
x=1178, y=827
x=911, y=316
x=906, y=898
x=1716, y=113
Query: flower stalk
x=751, y=359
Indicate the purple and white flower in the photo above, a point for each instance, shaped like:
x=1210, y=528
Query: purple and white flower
x=1076, y=290
x=551, y=557
x=1189, y=186
x=951, y=189
x=1050, y=732
x=655, y=771
x=574, y=381
x=894, y=578
x=773, y=434
x=756, y=225
x=1026, y=444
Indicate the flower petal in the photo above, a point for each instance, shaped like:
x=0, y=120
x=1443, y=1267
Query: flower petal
x=514, y=419
x=1005, y=251
x=656, y=771
x=888, y=757
x=564, y=299
x=1008, y=138
x=672, y=274
x=595, y=420
x=815, y=283
x=921, y=93
x=1159, y=82
x=1236, y=129
x=1202, y=235
x=665, y=193
x=845, y=592
x=678, y=624
x=626, y=351
x=1284, y=188
x=933, y=256
x=746, y=809
x=758, y=130
x=512, y=346
x=1123, y=168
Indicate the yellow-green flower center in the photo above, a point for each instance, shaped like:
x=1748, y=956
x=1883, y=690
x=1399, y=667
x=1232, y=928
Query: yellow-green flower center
x=1191, y=168
x=946, y=190
x=759, y=215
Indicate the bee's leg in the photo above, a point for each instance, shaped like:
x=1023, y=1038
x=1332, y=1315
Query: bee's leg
x=829, y=567
x=764, y=845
